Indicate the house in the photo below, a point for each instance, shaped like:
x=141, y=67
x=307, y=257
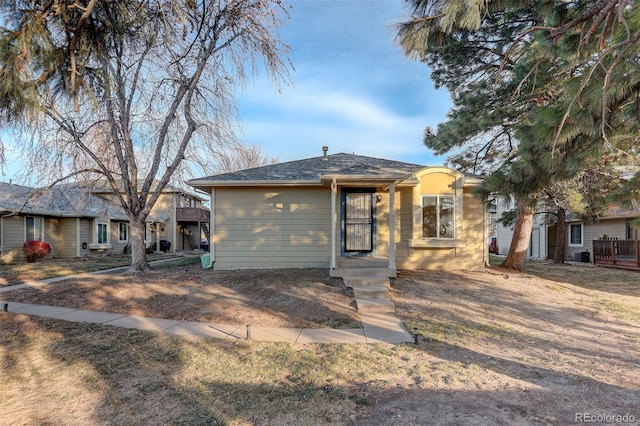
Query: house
x=78, y=220
x=73, y=221
x=616, y=223
x=317, y=211
x=178, y=217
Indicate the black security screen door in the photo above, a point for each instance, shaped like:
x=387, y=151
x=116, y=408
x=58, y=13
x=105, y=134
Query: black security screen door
x=358, y=222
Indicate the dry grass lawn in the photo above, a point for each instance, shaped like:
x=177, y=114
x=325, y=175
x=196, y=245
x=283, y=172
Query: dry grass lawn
x=49, y=267
x=495, y=349
x=272, y=298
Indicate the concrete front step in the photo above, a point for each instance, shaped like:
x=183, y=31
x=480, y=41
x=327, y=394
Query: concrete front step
x=362, y=272
x=370, y=292
x=374, y=305
x=367, y=282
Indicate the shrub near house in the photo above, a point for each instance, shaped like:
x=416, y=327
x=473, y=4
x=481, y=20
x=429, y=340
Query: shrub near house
x=34, y=250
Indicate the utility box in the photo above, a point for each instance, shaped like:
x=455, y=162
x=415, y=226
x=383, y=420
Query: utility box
x=582, y=256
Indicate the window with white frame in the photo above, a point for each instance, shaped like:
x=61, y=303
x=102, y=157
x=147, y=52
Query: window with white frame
x=575, y=235
x=438, y=216
x=34, y=228
x=103, y=233
x=123, y=232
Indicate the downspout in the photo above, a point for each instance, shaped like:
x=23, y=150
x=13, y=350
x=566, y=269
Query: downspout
x=1, y=236
x=78, y=242
x=212, y=228
x=392, y=226
x=174, y=226
x=334, y=190
x=485, y=232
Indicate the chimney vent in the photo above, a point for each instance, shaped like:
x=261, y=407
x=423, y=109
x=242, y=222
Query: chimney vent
x=325, y=149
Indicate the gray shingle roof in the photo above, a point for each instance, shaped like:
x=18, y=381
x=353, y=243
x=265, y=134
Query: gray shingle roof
x=101, y=186
x=57, y=201
x=312, y=169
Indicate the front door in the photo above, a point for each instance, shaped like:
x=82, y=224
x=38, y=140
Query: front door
x=358, y=221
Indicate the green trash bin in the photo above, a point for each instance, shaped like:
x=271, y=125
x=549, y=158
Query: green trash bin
x=205, y=259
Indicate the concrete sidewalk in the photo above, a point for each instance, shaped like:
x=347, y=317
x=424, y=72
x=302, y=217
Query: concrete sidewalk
x=376, y=328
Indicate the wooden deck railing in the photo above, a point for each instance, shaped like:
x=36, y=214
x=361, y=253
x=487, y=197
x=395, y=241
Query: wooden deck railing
x=620, y=253
x=192, y=214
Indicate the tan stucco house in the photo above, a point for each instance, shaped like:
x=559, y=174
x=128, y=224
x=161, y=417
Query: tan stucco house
x=317, y=211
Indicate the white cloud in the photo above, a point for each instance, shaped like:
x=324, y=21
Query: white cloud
x=296, y=124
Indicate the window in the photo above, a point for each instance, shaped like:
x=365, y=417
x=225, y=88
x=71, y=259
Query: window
x=631, y=231
x=438, y=216
x=33, y=228
x=123, y=232
x=103, y=233
x=575, y=235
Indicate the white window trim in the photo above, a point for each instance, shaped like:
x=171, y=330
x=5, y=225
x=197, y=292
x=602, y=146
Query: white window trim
x=101, y=246
x=455, y=214
x=35, y=218
x=581, y=235
x=127, y=232
x=98, y=233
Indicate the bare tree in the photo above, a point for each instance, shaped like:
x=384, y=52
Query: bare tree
x=128, y=90
x=237, y=156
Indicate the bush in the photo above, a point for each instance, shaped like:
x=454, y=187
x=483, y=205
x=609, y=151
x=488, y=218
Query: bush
x=34, y=250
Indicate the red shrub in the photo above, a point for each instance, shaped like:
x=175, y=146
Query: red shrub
x=35, y=250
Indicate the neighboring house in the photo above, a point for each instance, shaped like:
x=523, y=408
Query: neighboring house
x=80, y=220
x=178, y=217
x=313, y=212
x=615, y=223
x=73, y=221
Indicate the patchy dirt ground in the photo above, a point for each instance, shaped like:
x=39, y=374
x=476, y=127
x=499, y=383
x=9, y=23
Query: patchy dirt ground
x=559, y=345
x=510, y=349
x=274, y=298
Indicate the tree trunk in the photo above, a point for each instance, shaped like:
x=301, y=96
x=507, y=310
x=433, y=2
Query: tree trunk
x=521, y=237
x=561, y=236
x=138, y=248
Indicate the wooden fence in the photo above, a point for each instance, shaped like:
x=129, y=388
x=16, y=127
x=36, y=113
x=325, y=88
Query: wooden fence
x=619, y=253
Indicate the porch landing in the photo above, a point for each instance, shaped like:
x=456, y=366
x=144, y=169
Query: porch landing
x=355, y=266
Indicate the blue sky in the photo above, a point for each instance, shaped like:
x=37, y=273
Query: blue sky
x=353, y=90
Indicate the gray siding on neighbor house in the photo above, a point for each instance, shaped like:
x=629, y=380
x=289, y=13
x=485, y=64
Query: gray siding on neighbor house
x=68, y=230
x=52, y=236
x=86, y=235
x=612, y=228
x=117, y=246
x=13, y=238
x=272, y=228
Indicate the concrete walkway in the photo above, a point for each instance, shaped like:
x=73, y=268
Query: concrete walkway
x=384, y=327
x=376, y=328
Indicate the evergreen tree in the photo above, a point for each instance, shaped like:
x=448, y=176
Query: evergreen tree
x=538, y=76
